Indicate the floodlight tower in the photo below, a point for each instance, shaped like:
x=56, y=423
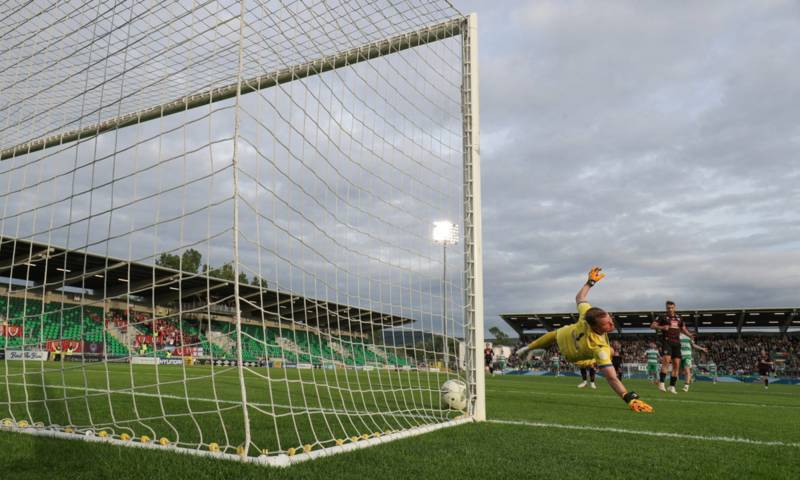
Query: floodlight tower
x=446, y=233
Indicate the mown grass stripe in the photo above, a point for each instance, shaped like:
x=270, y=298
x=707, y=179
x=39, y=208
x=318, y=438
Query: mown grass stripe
x=128, y=391
x=655, y=398
x=649, y=433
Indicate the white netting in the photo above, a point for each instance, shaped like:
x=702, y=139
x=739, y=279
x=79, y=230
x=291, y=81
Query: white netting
x=216, y=220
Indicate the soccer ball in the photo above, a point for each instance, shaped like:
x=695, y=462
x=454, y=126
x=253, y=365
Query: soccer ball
x=454, y=394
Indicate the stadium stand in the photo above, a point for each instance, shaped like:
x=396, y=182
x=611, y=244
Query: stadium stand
x=136, y=332
x=733, y=355
x=55, y=321
x=155, y=310
x=734, y=337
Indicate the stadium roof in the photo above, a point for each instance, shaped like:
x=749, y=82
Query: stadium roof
x=50, y=268
x=718, y=320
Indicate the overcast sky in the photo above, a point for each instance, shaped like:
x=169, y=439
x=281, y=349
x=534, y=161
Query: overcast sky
x=658, y=140
x=340, y=175
x=655, y=139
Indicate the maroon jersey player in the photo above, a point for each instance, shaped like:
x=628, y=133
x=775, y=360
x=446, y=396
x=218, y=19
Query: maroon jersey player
x=670, y=326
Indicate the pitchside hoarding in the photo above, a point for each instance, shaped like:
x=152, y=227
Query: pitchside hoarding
x=75, y=346
x=40, y=355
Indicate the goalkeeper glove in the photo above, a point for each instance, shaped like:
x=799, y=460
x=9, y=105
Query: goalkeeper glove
x=522, y=351
x=595, y=276
x=632, y=399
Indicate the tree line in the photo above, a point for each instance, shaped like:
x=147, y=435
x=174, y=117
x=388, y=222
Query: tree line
x=192, y=261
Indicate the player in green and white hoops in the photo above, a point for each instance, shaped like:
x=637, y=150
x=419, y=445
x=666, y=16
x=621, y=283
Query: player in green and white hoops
x=653, y=361
x=555, y=364
x=687, y=344
x=712, y=370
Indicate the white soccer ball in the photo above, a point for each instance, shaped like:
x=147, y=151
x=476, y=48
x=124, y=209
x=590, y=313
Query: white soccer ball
x=454, y=394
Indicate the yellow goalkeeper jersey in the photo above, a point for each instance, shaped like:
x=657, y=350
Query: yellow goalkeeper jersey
x=581, y=345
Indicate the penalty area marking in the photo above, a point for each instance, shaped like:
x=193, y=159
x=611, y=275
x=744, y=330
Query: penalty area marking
x=649, y=433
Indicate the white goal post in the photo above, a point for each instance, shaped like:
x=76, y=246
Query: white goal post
x=216, y=224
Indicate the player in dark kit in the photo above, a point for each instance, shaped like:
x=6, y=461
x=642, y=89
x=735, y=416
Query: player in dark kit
x=592, y=373
x=670, y=326
x=488, y=357
x=764, y=367
x=616, y=357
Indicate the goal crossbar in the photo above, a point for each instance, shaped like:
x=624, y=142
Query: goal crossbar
x=403, y=41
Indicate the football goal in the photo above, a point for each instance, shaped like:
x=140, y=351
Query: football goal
x=243, y=229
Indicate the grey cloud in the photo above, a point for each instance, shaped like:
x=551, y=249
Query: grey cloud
x=657, y=139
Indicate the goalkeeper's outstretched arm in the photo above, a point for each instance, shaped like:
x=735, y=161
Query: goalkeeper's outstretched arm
x=595, y=276
x=631, y=398
x=613, y=381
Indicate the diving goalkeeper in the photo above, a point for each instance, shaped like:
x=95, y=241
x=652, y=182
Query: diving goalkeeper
x=585, y=343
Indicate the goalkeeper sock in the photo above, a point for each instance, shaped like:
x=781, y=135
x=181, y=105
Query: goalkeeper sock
x=583, y=374
x=661, y=377
x=592, y=374
x=673, y=380
x=544, y=341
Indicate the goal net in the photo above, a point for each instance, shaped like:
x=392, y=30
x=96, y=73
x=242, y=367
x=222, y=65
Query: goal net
x=217, y=223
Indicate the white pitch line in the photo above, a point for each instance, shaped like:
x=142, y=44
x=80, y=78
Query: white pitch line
x=648, y=433
x=653, y=399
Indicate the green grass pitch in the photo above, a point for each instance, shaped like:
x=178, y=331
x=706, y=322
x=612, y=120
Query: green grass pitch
x=539, y=427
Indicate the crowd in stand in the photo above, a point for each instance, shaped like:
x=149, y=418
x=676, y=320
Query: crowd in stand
x=739, y=356
x=733, y=355
x=167, y=333
x=163, y=331
x=116, y=317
